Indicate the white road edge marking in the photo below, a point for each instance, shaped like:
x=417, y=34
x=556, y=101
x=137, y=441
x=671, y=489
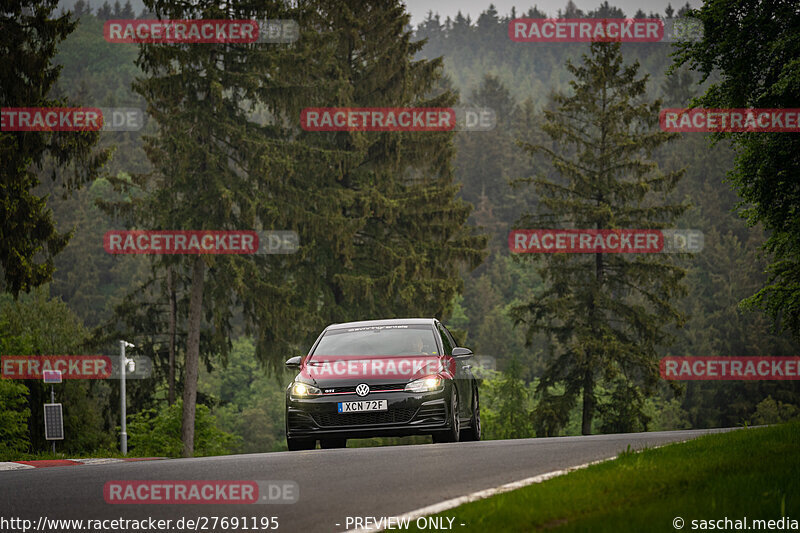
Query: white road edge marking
x=14, y=466
x=482, y=494
x=99, y=461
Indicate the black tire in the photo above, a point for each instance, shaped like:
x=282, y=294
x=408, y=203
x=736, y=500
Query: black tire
x=453, y=433
x=301, y=444
x=473, y=432
x=332, y=443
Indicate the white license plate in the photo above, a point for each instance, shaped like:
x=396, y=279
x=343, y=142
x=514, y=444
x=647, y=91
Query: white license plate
x=363, y=405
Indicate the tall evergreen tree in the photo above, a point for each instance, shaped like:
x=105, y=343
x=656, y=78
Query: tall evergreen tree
x=605, y=313
x=215, y=167
x=397, y=234
x=127, y=11
x=605, y=10
x=28, y=236
x=104, y=12
x=678, y=88
x=381, y=231
x=81, y=8
x=488, y=160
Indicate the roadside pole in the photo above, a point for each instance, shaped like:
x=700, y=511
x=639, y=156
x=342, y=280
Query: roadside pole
x=53, y=416
x=123, y=363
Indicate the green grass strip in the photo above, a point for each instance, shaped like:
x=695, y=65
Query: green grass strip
x=752, y=473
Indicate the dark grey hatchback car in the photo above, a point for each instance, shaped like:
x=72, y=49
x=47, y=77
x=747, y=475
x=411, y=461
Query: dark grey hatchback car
x=382, y=378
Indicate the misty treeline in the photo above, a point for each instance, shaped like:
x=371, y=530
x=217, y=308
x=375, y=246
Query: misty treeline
x=390, y=224
x=518, y=81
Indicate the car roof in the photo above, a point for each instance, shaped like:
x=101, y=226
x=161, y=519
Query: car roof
x=385, y=322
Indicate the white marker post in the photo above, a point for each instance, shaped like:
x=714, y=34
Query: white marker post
x=123, y=362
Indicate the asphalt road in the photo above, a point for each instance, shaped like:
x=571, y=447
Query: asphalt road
x=333, y=484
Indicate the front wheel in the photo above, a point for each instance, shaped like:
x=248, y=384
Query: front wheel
x=473, y=432
x=454, y=432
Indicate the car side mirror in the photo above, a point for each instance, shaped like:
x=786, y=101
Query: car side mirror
x=462, y=353
x=293, y=362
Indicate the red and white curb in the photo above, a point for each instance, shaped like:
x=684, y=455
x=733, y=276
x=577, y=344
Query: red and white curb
x=46, y=463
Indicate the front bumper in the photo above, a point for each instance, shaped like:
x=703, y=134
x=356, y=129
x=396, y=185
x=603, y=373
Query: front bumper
x=407, y=414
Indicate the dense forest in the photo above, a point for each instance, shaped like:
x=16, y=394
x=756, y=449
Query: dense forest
x=96, y=298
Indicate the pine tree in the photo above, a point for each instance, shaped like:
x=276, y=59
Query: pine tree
x=127, y=11
x=606, y=11
x=28, y=236
x=104, y=12
x=431, y=30
x=678, y=88
x=380, y=229
x=605, y=313
x=571, y=11
x=396, y=233
x=80, y=9
x=214, y=167
x=484, y=165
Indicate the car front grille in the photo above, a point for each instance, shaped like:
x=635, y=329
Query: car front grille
x=394, y=416
x=373, y=388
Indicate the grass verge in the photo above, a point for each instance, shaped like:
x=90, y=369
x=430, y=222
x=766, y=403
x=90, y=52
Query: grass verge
x=753, y=473
x=38, y=456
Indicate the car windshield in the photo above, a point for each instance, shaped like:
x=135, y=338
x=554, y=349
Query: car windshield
x=378, y=341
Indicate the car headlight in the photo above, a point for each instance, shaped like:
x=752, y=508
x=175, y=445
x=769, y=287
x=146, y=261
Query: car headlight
x=426, y=384
x=304, y=390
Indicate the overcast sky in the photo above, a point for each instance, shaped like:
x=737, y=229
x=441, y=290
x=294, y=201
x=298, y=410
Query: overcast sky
x=419, y=8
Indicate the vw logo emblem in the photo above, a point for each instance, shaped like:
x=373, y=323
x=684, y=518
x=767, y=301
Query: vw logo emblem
x=362, y=389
